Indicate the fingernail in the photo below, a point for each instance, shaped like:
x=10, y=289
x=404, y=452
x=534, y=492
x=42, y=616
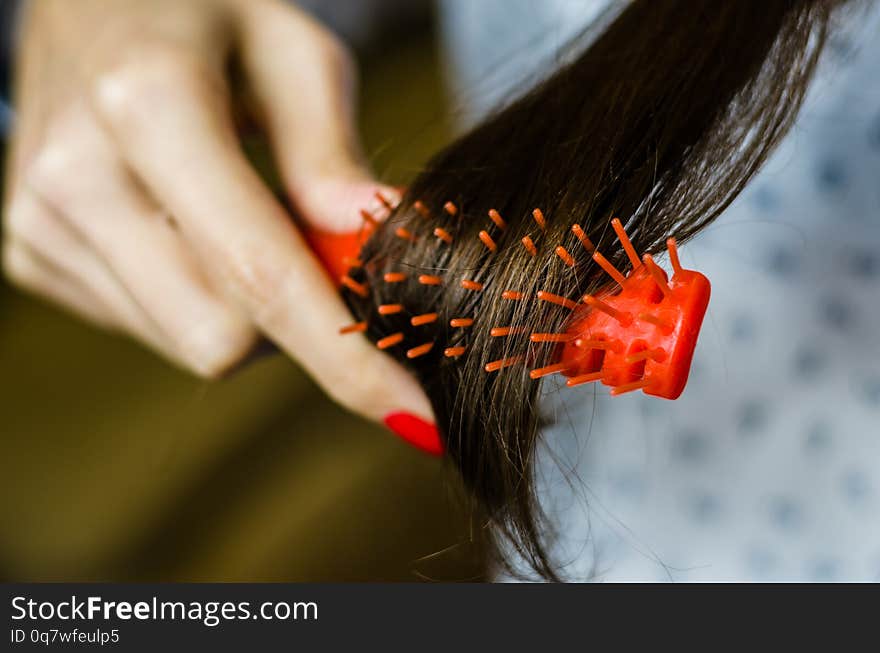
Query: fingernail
x=416, y=431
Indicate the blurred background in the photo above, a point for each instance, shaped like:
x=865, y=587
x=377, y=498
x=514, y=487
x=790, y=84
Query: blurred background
x=116, y=466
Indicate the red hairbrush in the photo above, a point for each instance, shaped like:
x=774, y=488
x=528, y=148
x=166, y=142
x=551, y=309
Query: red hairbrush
x=639, y=336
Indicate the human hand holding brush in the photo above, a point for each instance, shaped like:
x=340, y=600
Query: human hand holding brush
x=129, y=201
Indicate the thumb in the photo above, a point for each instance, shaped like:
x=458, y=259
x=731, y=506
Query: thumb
x=303, y=81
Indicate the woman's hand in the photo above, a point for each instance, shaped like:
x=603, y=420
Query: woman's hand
x=129, y=201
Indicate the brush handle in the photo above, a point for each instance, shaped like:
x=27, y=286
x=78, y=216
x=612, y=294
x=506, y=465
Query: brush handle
x=335, y=251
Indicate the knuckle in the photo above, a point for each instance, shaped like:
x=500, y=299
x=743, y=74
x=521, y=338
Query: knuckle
x=17, y=266
x=147, y=77
x=216, y=347
x=51, y=171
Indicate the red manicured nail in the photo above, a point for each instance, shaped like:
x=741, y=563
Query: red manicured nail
x=416, y=431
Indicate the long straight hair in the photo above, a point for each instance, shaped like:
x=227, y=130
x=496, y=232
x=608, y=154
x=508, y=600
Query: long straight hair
x=661, y=120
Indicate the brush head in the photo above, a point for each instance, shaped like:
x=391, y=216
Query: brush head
x=639, y=335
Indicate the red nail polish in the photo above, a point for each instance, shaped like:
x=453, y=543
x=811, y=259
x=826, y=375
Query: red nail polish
x=416, y=431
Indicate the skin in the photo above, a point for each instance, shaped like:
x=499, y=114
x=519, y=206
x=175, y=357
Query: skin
x=129, y=202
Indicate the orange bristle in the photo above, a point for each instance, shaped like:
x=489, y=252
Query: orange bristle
x=497, y=332
x=357, y=327
x=389, y=309
x=551, y=337
x=405, y=234
x=629, y=387
x=389, y=341
x=425, y=318
x=539, y=372
x=357, y=288
x=624, y=318
x=562, y=253
x=430, y=280
x=529, y=244
x=452, y=352
x=368, y=218
x=582, y=236
x=459, y=322
x=556, y=299
x=673, y=255
x=487, y=241
x=421, y=209
x=595, y=344
x=352, y=262
x=658, y=354
x=511, y=294
x=421, y=350
x=494, y=366
x=384, y=201
x=626, y=242
x=495, y=217
x=451, y=209
x=467, y=284
x=539, y=218
x=656, y=321
x=612, y=271
x=583, y=378
x=443, y=235
x=657, y=275
x=394, y=277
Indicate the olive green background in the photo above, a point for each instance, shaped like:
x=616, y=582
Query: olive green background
x=115, y=466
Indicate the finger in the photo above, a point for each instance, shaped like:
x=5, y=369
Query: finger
x=303, y=81
x=145, y=253
x=33, y=273
x=55, y=246
x=181, y=143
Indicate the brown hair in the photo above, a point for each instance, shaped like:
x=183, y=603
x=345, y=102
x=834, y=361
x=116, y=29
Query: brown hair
x=661, y=120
